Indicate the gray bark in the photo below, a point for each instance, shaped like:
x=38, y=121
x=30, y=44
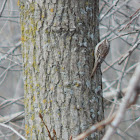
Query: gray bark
x=58, y=37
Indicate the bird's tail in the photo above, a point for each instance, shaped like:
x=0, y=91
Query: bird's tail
x=94, y=70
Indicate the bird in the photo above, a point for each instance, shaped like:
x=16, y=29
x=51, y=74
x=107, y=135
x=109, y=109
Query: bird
x=100, y=53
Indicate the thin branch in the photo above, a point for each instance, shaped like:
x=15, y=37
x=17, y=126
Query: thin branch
x=129, y=99
x=129, y=52
x=49, y=134
x=112, y=6
x=12, y=129
x=129, y=22
x=98, y=126
x=12, y=117
x=10, y=51
x=106, y=15
x=124, y=35
x=133, y=123
x=9, y=102
x=2, y=8
x=135, y=13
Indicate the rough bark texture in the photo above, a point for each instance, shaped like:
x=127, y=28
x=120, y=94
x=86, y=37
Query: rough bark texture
x=58, y=38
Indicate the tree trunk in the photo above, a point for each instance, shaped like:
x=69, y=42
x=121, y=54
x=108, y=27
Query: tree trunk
x=58, y=38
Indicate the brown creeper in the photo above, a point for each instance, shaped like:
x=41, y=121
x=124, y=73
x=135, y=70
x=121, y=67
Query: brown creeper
x=101, y=51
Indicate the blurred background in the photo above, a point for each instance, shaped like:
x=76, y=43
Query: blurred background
x=119, y=23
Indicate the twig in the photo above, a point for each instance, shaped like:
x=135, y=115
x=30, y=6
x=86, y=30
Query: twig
x=133, y=123
x=12, y=117
x=127, y=71
x=9, y=102
x=129, y=22
x=106, y=15
x=12, y=129
x=112, y=6
x=124, y=35
x=129, y=52
x=2, y=8
x=135, y=13
x=10, y=51
x=49, y=134
x=130, y=98
x=54, y=132
x=98, y=126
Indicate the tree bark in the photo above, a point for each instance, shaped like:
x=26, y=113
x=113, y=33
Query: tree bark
x=58, y=38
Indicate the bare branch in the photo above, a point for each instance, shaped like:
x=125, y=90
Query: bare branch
x=98, y=126
x=12, y=129
x=133, y=123
x=133, y=91
x=12, y=117
x=2, y=8
x=129, y=52
x=10, y=51
x=129, y=23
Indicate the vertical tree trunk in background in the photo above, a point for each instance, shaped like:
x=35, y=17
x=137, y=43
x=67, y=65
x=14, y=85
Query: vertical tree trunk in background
x=58, y=37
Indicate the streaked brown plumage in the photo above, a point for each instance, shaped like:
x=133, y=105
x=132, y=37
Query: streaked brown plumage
x=101, y=51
